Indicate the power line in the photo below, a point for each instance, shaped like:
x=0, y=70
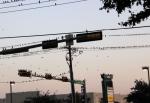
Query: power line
x=114, y=29
x=119, y=35
x=27, y=4
x=81, y=48
x=113, y=47
x=8, y=2
x=55, y=34
x=39, y=7
x=27, y=36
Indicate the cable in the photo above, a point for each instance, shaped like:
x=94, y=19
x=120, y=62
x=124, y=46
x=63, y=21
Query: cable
x=113, y=48
x=111, y=29
x=66, y=3
x=8, y=2
x=13, y=37
x=142, y=34
x=81, y=48
x=27, y=4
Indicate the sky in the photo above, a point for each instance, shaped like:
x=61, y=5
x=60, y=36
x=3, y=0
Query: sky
x=125, y=64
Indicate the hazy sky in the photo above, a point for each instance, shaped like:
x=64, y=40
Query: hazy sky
x=124, y=64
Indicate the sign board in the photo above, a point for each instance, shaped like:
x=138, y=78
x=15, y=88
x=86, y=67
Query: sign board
x=110, y=95
x=78, y=82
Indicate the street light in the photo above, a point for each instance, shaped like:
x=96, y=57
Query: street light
x=147, y=68
x=11, y=83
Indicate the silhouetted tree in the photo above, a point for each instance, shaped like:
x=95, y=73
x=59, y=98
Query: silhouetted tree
x=136, y=15
x=45, y=99
x=140, y=93
x=78, y=98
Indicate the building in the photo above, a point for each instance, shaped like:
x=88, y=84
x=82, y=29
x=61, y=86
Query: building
x=2, y=100
x=20, y=97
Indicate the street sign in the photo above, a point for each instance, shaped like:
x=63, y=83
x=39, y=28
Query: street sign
x=78, y=82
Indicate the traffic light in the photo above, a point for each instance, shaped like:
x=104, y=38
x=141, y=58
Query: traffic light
x=65, y=79
x=24, y=73
x=83, y=92
x=48, y=76
x=14, y=50
x=92, y=36
x=50, y=44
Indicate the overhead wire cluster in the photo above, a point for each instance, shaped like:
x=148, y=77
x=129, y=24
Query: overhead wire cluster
x=34, y=5
x=64, y=33
x=37, y=44
x=80, y=48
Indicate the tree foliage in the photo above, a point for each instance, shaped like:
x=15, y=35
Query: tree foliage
x=140, y=93
x=45, y=99
x=136, y=15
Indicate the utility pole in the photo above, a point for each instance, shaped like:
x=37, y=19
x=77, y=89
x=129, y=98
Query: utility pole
x=69, y=42
x=11, y=98
x=71, y=75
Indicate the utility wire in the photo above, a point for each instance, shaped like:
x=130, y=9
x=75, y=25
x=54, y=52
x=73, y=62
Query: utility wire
x=120, y=35
x=113, y=47
x=136, y=27
x=39, y=7
x=13, y=37
x=111, y=29
x=8, y=2
x=79, y=48
x=27, y=4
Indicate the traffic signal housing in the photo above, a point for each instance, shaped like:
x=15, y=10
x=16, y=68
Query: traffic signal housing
x=24, y=73
x=50, y=44
x=48, y=76
x=14, y=50
x=65, y=79
x=91, y=36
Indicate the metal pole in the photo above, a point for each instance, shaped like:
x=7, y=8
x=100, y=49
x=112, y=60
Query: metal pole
x=148, y=76
x=147, y=68
x=71, y=75
x=85, y=95
x=10, y=92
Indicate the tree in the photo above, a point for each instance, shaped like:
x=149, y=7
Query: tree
x=44, y=99
x=78, y=98
x=140, y=93
x=136, y=15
